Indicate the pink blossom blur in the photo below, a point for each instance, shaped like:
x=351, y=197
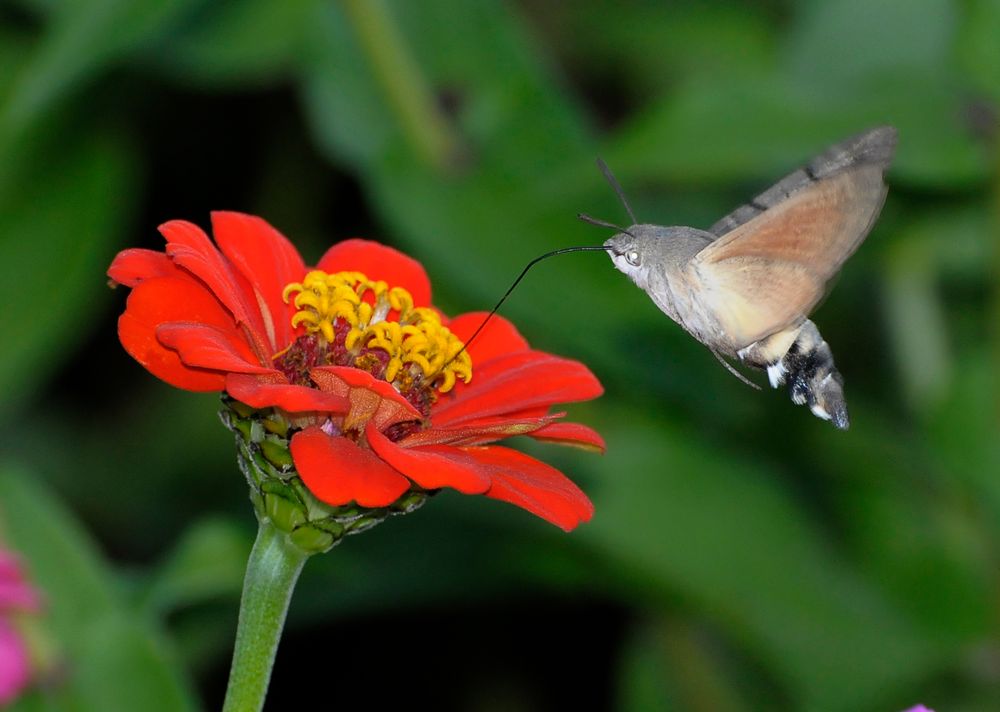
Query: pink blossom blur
x=15, y=596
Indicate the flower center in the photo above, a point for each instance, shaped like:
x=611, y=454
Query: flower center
x=351, y=320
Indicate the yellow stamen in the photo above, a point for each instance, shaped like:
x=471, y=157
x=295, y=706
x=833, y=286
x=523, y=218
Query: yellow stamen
x=418, y=344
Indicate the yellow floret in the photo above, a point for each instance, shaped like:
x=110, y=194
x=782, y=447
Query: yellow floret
x=418, y=340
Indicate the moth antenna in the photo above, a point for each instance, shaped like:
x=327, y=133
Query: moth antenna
x=610, y=178
x=729, y=367
x=482, y=325
x=602, y=223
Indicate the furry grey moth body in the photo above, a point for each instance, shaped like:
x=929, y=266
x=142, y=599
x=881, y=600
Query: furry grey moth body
x=745, y=287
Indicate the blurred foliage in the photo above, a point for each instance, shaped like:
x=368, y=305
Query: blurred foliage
x=744, y=555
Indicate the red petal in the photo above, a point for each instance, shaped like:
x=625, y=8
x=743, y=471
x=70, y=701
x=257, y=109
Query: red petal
x=431, y=467
x=514, y=416
x=371, y=398
x=497, y=338
x=206, y=346
x=266, y=259
x=533, y=485
x=526, y=379
x=189, y=247
x=337, y=471
x=377, y=261
x=486, y=431
x=570, y=434
x=258, y=393
x=135, y=265
x=166, y=299
x=140, y=341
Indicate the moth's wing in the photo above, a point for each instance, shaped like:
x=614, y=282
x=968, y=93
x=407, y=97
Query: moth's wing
x=768, y=272
x=872, y=147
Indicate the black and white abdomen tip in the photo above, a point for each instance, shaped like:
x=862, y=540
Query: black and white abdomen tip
x=812, y=377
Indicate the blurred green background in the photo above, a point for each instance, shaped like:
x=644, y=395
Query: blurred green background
x=744, y=555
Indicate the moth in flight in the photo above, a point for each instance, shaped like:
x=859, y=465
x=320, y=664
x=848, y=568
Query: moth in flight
x=745, y=287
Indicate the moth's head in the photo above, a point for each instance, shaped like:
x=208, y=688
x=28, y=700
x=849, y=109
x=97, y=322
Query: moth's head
x=629, y=249
x=631, y=252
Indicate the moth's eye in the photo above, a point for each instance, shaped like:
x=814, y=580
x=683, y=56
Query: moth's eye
x=632, y=257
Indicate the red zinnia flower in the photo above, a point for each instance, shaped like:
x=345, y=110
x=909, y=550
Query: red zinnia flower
x=380, y=396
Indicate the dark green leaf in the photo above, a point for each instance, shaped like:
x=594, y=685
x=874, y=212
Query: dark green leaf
x=53, y=260
x=208, y=562
x=722, y=535
x=848, y=42
x=80, y=39
x=244, y=42
x=978, y=50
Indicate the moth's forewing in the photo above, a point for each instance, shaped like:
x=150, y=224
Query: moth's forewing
x=768, y=272
x=874, y=147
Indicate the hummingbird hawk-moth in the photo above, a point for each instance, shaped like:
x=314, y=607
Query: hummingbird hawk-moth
x=745, y=287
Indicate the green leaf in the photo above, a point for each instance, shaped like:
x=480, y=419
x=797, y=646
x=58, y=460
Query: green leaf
x=904, y=517
x=14, y=46
x=644, y=682
x=208, y=562
x=696, y=136
x=842, y=72
x=236, y=43
x=848, y=42
x=650, y=47
x=347, y=114
x=61, y=557
x=80, y=39
x=53, y=260
x=963, y=431
x=718, y=532
x=114, y=659
x=668, y=663
x=916, y=319
x=978, y=50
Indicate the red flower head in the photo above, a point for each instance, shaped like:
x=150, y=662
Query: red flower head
x=351, y=366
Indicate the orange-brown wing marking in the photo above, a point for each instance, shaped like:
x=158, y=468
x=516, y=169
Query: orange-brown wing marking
x=768, y=273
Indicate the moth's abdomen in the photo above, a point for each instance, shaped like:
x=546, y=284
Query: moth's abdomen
x=812, y=377
x=808, y=369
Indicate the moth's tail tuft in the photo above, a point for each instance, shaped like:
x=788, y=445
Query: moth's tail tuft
x=812, y=377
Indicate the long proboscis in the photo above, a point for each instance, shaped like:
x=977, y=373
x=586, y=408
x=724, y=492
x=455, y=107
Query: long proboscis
x=562, y=251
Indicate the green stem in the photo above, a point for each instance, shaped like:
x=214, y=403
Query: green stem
x=993, y=312
x=273, y=569
x=422, y=121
